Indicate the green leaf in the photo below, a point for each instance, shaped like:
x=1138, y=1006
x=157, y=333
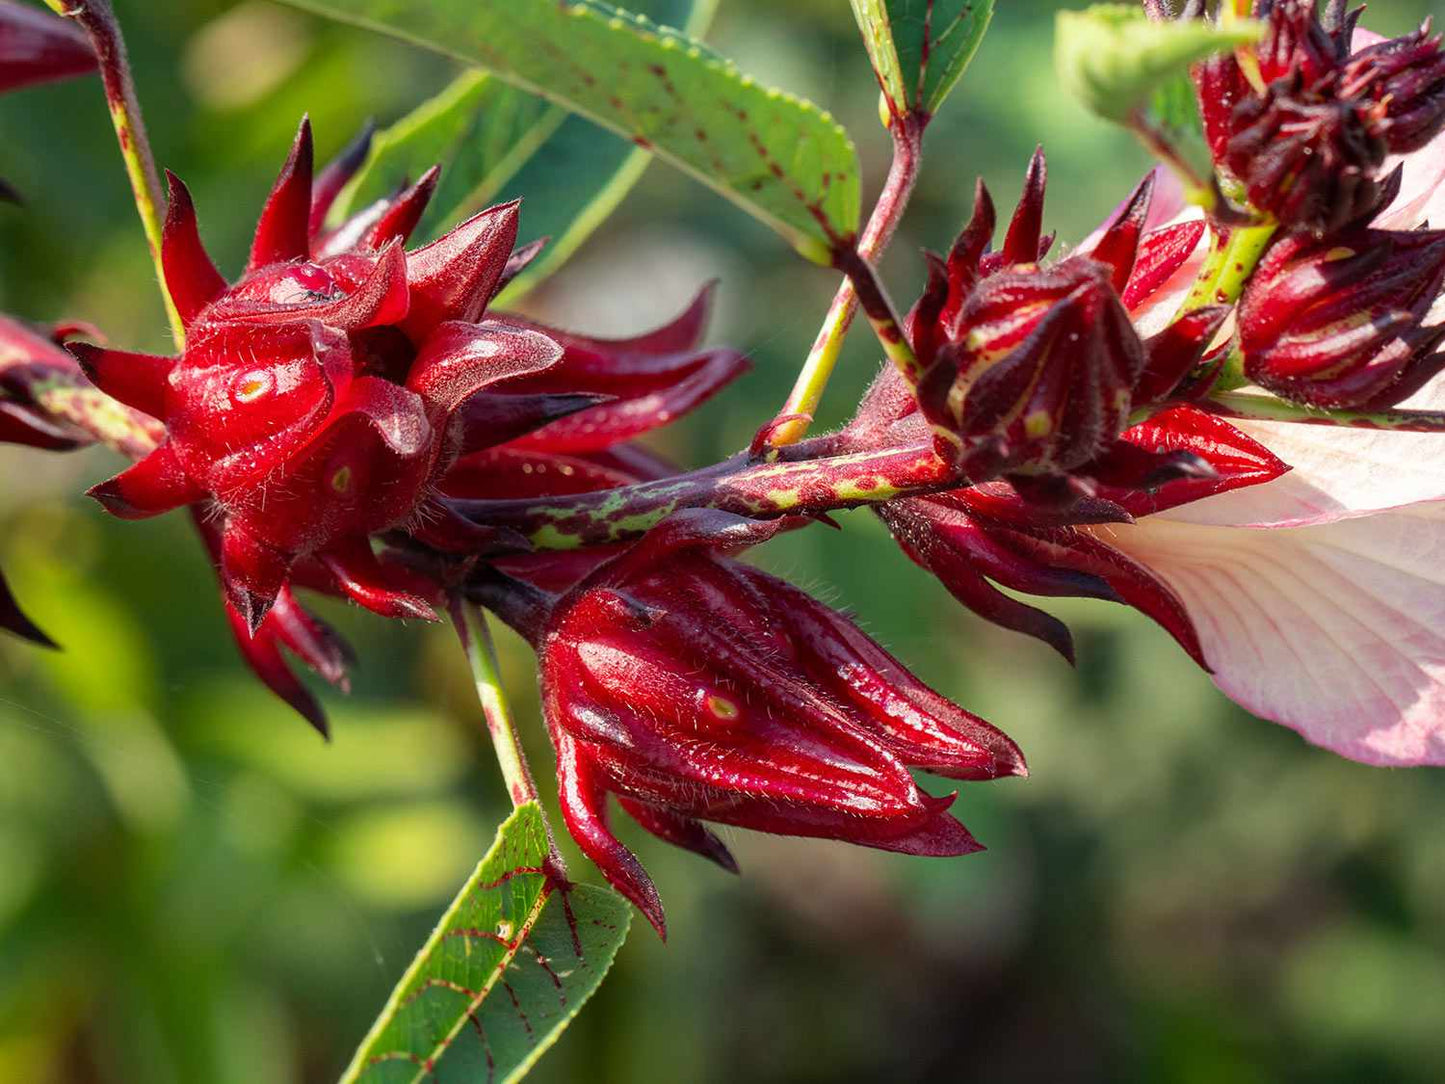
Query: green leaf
x=780, y=158
x=1112, y=57
x=920, y=48
x=510, y=964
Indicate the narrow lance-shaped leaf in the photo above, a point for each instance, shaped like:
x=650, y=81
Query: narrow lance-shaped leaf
x=778, y=157
x=920, y=48
x=507, y=968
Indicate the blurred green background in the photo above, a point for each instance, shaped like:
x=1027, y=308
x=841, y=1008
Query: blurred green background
x=194, y=888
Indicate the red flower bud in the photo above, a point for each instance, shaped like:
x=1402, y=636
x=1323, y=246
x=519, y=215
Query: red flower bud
x=1339, y=323
x=318, y=399
x=1405, y=77
x=1030, y=371
x=697, y=688
x=1309, y=144
x=30, y=361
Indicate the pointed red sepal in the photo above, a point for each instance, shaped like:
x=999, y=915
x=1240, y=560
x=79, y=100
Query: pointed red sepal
x=1137, y=586
x=923, y=729
x=458, y=360
x=1162, y=252
x=13, y=619
x=405, y=211
x=922, y=325
x=692, y=381
x=928, y=549
x=1119, y=246
x=942, y=837
x=252, y=572
x=439, y=525
x=686, y=832
x=455, y=276
x=137, y=380
x=370, y=584
x=154, y=485
x=1174, y=352
x=191, y=278
x=283, y=231
x=1025, y=231
x=263, y=655
x=494, y=418
x=1237, y=459
x=968, y=249
x=583, y=803
x=335, y=176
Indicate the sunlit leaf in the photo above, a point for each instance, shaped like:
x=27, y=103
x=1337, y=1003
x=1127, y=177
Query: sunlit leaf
x=778, y=157
x=507, y=968
x=920, y=48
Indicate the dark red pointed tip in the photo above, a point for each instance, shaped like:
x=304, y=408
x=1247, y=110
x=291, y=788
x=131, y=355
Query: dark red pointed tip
x=109, y=496
x=283, y=230
x=405, y=212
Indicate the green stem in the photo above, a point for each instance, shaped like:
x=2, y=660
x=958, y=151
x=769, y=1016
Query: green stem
x=476, y=638
x=1228, y=267
x=98, y=21
x=1246, y=405
x=818, y=367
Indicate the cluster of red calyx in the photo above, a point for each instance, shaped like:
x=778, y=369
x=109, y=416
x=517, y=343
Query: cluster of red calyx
x=1031, y=372
x=695, y=687
x=1022, y=531
x=1306, y=131
x=327, y=396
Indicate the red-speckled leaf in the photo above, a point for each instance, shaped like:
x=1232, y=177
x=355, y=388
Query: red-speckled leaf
x=778, y=157
x=507, y=968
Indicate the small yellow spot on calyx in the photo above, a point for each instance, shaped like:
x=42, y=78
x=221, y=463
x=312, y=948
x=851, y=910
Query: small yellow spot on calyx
x=341, y=480
x=251, y=386
x=721, y=708
x=1038, y=424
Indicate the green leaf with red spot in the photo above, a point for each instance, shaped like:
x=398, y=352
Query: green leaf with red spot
x=920, y=48
x=780, y=158
x=510, y=964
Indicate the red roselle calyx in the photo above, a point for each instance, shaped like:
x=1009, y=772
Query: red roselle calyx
x=1339, y=323
x=696, y=688
x=317, y=400
x=1308, y=139
x=1031, y=371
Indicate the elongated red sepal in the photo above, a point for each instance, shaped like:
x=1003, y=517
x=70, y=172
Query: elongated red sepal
x=154, y=485
x=37, y=47
x=284, y=229
x=455, y=276
x=263, y=655
x=370, y=584
x=583, y=804
x=1119, y=246
x=686, y=832
x=405, y=212
x=1025, y=231
x=191, y=278
x=137, y=380
x=461, y=359
x=252, y=573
